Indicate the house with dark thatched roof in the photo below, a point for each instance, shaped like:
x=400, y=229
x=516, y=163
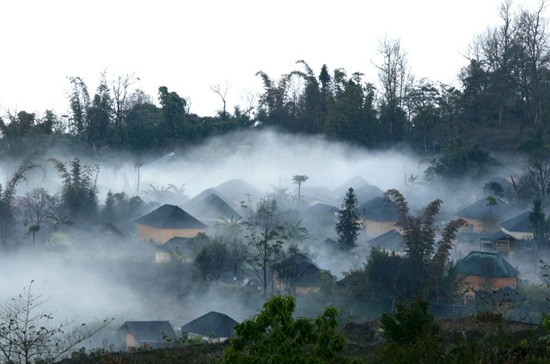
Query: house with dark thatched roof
x=139, y=334
x=379, y=215
x=237, y=190
x=321, y=214
x=481, y=216
x=354, y=182
x=366, y=193
x=300, y=275
x=519, y=226
x=166, y=222
x=180, y=249
x=391, y=241
x=499, y=242
x=211, y=209
x=213, y=325
x=485, y=271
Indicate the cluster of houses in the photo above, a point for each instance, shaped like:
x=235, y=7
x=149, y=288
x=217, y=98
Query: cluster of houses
x=213, y=326
x=495, y=233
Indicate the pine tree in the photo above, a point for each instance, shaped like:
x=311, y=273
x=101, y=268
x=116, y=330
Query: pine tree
x=348, y=225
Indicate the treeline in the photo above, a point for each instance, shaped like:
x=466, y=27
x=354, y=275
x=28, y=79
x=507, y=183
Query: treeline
x=502, y=101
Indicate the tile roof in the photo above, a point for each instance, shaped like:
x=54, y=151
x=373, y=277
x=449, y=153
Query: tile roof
x=479, y=209
x=170, y=217
x=485, y=264
x=378, y=209
x=213, y=324
x=392, y=241
x=519, y=223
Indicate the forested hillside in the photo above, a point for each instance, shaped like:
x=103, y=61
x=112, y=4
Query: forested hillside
x=502, y=102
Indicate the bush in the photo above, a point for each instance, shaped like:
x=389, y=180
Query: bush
x=274, y=336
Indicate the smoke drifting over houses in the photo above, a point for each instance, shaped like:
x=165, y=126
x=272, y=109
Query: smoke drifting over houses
x=89, y=275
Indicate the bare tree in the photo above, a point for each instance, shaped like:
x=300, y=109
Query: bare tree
x=37, y=205
x=533, y=33
x=28, y=335
x=222, y=93
x=536, y=179
x=120, y=86
x=393, y=72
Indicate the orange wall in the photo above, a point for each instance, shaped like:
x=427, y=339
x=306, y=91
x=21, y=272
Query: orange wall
x=475, y=283
x=130, y=341
x=377, y=228
x=161, y=236
x=473, y=225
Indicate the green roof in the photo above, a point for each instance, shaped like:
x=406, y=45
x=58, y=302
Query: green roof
x=486, y=264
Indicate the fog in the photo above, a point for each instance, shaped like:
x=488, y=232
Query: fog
x=91, y=278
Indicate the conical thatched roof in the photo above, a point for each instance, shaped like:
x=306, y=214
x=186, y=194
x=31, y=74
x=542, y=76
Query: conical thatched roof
x=170, y=217
x=213, y=324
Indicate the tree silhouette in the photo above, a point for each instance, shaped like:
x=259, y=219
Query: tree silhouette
x=299, y=179
x=349, y=224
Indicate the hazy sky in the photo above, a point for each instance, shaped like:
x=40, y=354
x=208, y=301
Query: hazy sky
x=189, y=46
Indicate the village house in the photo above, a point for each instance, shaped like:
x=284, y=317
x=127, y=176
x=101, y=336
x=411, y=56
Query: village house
x=211, y=208
x=485, y=271
x=166, y=222
x=367, y=192
x=321, y=214
x=500, y=242
x=483, y=216
x=236, y=191
x=140, y=334
x=175, y=249
x=379, y=215
x=519, y=227
x=213, y=326
x=392, y=241
x=302, y=277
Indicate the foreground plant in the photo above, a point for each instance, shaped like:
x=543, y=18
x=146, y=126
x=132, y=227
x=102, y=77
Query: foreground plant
x=274, y=336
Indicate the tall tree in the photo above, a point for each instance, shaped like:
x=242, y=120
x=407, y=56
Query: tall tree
x=273, y=108
x=212, y=261
x=534, y=184
x=99, y=116
x=394, y=81
x=38, y=203
x=79, y=103
x=230, y=231
x=349, y=224
x=7, y=212
x=79, y=189
x=174, y=111
x=121, y=94
x=350, y=110
x=537, y=218
x=534, y=36
x=299, y=179
x=265, y=235
x=428, y=257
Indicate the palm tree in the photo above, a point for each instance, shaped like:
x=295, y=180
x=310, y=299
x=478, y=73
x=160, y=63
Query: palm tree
x=33, y=229
x=299, y=179
x=58, y=221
